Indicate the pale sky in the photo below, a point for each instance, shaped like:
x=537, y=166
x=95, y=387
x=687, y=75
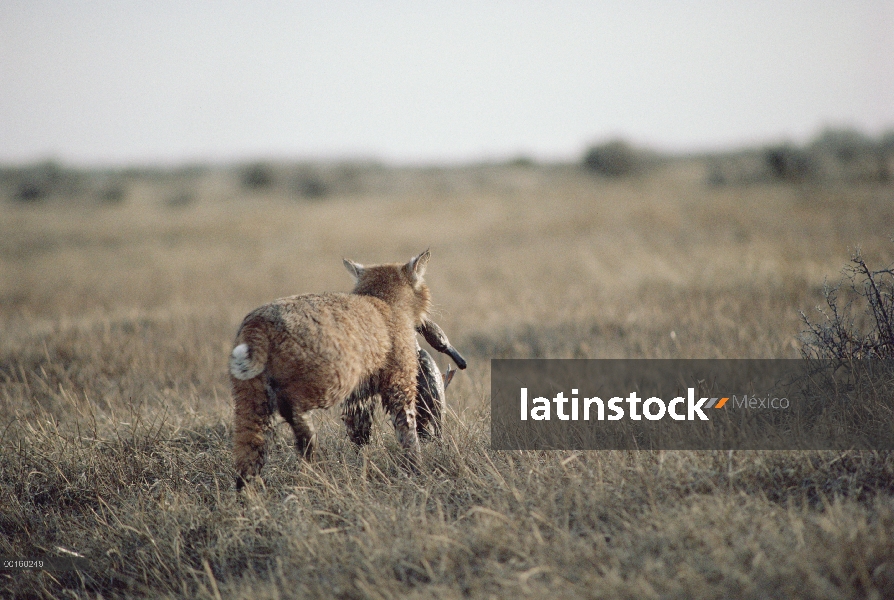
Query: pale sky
x=123, y=82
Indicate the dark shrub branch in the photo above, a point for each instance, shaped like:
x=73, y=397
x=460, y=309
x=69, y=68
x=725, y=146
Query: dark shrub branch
x=857, y=321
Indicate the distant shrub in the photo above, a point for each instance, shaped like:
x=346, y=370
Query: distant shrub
x=38, y=182
x=886, y=142
x=716, y=173
x=835, y=154
x=739, y=167
x=522, y=162
x=845, y=145
x=858, y=321
x=113, y=193
x=31, y=191
x=616, y=158
x=258, y=176
x=310, y=186
x=853, y=155
x=789, y=163
x=886, y=159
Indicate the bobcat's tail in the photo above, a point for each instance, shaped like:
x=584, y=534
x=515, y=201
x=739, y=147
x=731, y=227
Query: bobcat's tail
x=249, y=357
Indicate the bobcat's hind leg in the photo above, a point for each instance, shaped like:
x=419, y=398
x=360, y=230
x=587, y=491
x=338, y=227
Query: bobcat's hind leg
x=305, y=436
x=252, y=427
x=302, y=427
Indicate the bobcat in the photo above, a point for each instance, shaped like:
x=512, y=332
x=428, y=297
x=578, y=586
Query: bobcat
x=430, y=389
x=316, y=350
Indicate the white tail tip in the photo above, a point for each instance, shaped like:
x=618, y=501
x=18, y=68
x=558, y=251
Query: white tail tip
x=241, y=366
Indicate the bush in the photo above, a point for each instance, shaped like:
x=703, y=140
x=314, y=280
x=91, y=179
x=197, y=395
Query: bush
x=613, y=159
x=522, y=161
x=853, y=155
x=257, y=176
x=886, y=142
x=788, y=163
x=310, y=186
x=858, y=322
x=39, y=181
x=847, y=146
x=113, y=193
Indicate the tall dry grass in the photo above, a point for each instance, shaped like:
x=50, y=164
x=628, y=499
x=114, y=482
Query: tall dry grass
x=115, y=413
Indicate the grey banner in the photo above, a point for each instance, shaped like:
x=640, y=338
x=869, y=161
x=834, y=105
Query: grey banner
x=691, y=405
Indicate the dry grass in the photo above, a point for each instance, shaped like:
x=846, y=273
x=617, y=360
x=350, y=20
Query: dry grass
x=115, y=413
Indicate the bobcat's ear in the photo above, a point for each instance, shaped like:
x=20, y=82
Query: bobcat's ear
x=355, y=269
x=416, y=266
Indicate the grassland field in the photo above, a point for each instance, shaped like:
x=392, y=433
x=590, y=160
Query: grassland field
x=116, y=320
